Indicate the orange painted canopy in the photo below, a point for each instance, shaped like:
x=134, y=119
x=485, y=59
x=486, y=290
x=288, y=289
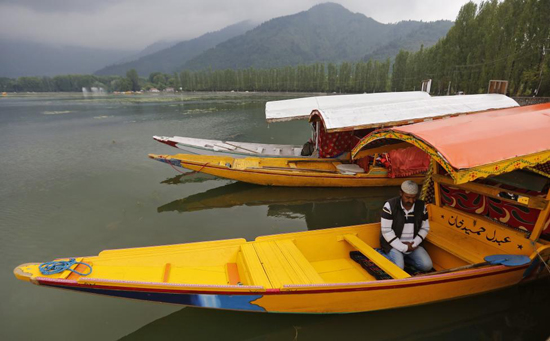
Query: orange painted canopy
x=480, y=140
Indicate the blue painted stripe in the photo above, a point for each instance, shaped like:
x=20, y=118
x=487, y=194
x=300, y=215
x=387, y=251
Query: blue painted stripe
x=230, y=302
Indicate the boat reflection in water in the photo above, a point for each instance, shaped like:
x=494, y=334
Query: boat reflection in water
x=320, y=207
x=517, y=313
x=189, y=177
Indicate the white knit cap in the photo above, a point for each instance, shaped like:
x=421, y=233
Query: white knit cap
x=409, y=187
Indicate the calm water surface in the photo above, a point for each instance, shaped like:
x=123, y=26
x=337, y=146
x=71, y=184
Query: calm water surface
x=75, y=179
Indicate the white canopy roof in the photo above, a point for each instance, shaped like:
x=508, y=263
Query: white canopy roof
x=351, y=112
x=390, y=114
x=301, y=108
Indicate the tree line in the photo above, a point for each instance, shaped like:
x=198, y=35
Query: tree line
x=64, y=83
x=507, y=40
x=371, y=76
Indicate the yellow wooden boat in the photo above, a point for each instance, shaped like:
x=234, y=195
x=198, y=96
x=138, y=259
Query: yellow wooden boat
x=311, y=272
x=283, y=171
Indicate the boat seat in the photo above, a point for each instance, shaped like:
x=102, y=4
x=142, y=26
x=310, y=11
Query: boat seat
x=349, y=169
x=285, y=264
x=382, y=262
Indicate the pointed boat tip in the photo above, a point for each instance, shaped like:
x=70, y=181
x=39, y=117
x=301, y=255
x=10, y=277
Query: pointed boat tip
x=21, y=271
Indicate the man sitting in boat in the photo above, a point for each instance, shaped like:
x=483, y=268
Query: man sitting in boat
x=405, y=225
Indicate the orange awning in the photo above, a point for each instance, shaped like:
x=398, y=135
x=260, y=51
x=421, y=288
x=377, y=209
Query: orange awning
x=474, y=140
x=493, y=138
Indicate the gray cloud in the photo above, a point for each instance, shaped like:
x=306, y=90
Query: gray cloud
x=60, y=5
x=133, y=24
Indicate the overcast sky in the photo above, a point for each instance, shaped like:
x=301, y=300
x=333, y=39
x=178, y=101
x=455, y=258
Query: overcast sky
x=134, y=24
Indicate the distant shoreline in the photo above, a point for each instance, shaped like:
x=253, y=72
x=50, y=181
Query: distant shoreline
x=195, y=95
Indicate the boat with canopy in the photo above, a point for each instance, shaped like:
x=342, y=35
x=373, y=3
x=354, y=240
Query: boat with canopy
x=342, y=113
x=338, y=127
x=502, y=155
x=284, y=110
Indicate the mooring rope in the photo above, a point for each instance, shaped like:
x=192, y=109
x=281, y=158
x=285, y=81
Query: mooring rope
x=184, y=173
x=55, y=267
x=540, y=256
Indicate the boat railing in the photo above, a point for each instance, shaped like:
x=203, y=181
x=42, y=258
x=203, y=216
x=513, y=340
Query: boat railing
x=530, y=202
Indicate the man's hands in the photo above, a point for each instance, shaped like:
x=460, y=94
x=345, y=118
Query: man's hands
x=410, y=246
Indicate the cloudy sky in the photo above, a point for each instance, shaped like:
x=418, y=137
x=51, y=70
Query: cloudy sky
x=134, y=24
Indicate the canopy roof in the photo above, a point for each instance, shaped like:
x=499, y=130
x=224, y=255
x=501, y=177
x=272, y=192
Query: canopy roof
x=301, y=108
x=392, y=114
x=476, y=146
x=351, y=112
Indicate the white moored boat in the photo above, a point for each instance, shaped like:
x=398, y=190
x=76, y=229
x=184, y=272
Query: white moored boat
x=229, y=148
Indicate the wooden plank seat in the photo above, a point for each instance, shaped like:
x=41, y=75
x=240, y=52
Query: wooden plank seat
x=382, y=262
x=253, y=267
x=285, y=264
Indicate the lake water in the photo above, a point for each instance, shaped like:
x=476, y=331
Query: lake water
x=75, y=179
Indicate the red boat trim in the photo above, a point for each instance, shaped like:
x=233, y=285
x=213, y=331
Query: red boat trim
x=168, y=142
x=394, y=285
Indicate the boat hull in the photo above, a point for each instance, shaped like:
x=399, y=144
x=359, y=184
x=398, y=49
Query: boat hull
x=352, y=298
x=285, y=176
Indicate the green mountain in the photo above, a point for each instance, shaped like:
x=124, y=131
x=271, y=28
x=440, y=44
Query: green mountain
x=325, y=33
x=427, y=34
x=171, y=59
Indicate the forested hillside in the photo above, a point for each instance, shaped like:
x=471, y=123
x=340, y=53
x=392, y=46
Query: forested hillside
x=171, y=59
x=423, y=36
x=326, y=33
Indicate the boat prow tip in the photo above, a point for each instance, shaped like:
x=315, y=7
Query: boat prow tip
x=21, y=272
